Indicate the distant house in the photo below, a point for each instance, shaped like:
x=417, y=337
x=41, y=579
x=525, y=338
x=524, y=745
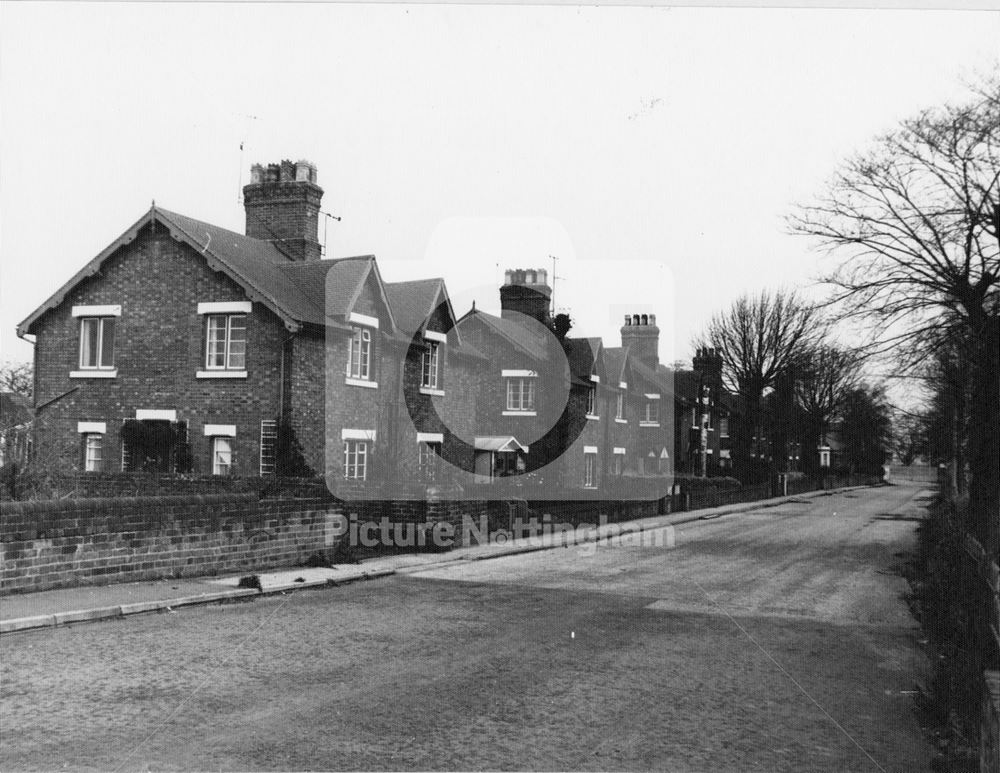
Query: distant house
x=15, y=428
x=184, y=346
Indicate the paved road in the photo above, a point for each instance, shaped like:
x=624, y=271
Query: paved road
x=774, y=641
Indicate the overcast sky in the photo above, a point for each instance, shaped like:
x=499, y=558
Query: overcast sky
x=654, y=151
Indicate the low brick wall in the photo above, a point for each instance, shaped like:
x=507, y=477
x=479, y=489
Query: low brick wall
x=58, y=543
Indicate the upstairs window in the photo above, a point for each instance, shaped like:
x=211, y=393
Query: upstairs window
x=360, y=355
x=651, y=411
x=97, y=343
x=723, y=426
x=520, y=394
x=620, y=405
x=227, y=342
x=589, y=470
x=592, y=401
x=429, y=362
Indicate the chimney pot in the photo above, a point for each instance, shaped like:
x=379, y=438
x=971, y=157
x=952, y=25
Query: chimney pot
x=652, y=319
x=645, y=319
x=256, y=174
x=543, y=276
x=273, y=173
x=628, y=320
x=303, y=169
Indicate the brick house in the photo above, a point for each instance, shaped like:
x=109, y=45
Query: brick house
x=184, y=347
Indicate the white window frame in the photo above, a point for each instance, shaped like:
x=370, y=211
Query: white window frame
x=620, y=406
x=217, y=442
x=723, y=426
x=590, y=469
x=651, y=412
x=428, y=460
x=519, y=399
x=98, y=446
x=355, y=459
x=99, y=354
x=430, y=364
x=359, y=355
x=592, y=400
x=227, y=343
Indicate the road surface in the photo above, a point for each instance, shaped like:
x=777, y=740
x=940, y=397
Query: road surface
x=775, y=640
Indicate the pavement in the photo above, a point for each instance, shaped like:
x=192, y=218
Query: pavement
x=43, y=609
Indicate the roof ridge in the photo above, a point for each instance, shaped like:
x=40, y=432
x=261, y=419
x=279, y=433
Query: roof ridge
x=170, y=212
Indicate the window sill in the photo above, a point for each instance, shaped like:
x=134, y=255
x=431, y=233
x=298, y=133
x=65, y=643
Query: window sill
x=432, y=391
x=520, y=413
x=221, y=374
x=95, y=373
x=592, y=417
x=361, y=382
x=621, y=421
x=649, y=424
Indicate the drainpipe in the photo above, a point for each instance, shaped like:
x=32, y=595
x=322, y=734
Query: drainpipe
x=281, y=379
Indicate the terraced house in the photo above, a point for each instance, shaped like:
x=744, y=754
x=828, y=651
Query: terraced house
x=186, y=347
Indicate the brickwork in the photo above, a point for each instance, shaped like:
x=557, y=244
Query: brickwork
x=93, y=541
x=283, y=208
x=159, y=348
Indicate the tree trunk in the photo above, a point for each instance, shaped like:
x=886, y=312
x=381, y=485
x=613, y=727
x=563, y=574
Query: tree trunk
x=984, y=438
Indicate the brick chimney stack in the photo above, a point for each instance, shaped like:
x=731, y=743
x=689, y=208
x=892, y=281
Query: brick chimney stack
x=282, y=206
x=642, y=336
x=526, y=291
x=708, y=362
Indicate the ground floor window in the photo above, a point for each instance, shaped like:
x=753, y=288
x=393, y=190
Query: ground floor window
x=155, y=445
x=355, y=459
x=93, y=452
x=222, y=456
x=617, y=464
x=590, y=470
x=428, y=460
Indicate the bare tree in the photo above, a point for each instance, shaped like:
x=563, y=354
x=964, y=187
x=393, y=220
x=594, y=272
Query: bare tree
x=758, y=338
x=17, y=377
x=916, y=220
x=826, y=377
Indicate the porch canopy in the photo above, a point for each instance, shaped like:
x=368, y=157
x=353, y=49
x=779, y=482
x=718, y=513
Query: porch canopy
x=498, y=443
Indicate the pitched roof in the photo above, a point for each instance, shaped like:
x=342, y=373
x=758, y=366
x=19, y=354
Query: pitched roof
x=615, y=362
x=523, y=338
x=295, y=290
x=413, y=302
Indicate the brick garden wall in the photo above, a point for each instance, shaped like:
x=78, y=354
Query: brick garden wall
x=59, y=543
